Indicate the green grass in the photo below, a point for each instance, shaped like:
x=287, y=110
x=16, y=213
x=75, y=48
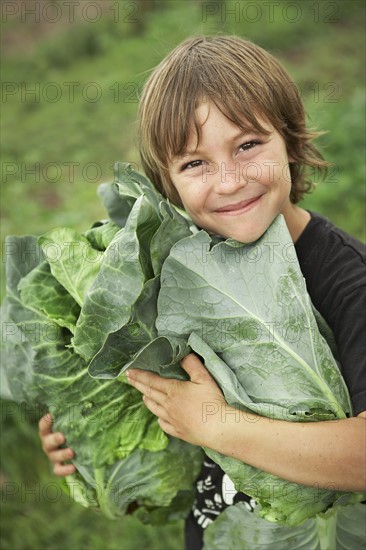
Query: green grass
x=81, y=132
x=117, y=56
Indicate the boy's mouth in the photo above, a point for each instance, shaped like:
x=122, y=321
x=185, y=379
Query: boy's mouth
x=239, y=207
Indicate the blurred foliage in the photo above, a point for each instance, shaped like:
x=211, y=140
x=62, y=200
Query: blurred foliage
x=70, y=93
x=36, y=514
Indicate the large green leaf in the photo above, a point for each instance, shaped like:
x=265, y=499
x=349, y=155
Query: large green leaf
x=101, y=234
x=172, y=229
x=121, y=346
x=237, y=527
x=131, y=185
x=119, y=197
x=40, y=290
x=118, y=315
x=124, y=269
x=118, y=207
x=246, y=311
x=258, y=320
x=351, y=527
x=72, y=259
x=145, y=478
x=344, y=528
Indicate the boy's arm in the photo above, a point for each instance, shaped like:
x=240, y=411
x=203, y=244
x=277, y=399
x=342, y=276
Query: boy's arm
x=323, y=454
x=328, y=454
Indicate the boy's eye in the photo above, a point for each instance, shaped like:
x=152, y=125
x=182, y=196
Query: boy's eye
x=197, y=163
x=249, y=145
x=192, y=164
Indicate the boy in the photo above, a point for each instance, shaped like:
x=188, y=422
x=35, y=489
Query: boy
x=222, y=134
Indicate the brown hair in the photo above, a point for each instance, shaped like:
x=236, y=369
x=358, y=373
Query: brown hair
x=244, y=81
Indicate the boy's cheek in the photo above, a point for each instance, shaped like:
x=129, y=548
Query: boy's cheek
x=273, y=171
x=254, y=172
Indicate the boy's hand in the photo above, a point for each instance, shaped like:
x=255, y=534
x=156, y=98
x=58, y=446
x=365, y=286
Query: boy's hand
x=50, y=445
x=190, y=410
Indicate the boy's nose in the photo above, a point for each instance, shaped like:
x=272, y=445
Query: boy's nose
x=230, y=176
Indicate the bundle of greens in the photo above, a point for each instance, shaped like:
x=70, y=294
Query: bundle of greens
x=142, y=289
x=67, y=293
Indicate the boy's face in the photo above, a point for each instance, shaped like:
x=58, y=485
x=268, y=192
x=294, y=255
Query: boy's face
x=235, y=183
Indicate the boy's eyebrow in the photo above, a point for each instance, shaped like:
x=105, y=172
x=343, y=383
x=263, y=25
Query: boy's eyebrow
x=235, y=137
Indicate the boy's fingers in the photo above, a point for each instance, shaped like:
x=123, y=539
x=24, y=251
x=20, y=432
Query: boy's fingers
x=60, y=455
x=51, y=441
x=63, y=470
x=50, y=445
x=45, y=425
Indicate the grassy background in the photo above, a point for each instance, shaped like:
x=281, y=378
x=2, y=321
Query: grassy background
x=60, y=142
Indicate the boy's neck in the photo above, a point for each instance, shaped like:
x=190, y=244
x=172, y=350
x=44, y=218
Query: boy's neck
x=296, y=219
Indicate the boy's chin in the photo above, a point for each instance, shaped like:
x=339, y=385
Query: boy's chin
x=243, y=231
x=242, y=238
x=243, y=234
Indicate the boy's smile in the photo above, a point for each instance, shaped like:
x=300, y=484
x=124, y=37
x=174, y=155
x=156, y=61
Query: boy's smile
x=233, y=183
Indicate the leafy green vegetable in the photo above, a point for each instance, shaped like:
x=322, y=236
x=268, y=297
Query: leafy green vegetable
x=143, y=289
x=121, y=452
x=258, y=333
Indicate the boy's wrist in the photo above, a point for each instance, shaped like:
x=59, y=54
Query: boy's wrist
x=228, y=434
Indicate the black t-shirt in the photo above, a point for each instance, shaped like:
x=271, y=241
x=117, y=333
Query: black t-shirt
x=333, y=264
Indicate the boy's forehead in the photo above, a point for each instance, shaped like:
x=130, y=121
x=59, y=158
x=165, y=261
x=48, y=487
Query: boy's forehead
x=203, y=111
